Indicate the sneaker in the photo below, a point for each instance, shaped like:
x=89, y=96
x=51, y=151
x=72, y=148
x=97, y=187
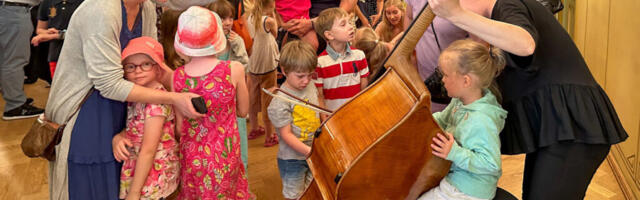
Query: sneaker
x=29, y=101
x=24, y=111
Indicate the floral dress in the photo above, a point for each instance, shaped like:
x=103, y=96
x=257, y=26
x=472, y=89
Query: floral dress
x=163, y=176
x=210, y=146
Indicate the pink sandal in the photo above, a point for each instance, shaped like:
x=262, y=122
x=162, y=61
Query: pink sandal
x=273, y=140
x=256, y=133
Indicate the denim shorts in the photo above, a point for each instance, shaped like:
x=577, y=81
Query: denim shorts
x=295, y=177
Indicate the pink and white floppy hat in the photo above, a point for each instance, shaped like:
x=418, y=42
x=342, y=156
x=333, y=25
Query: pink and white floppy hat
x=199, y=33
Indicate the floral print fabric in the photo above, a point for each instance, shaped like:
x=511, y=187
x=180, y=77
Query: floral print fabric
x=210, y=146
x=163, y=176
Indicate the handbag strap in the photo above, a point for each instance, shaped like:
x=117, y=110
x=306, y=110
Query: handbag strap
x=79, y=106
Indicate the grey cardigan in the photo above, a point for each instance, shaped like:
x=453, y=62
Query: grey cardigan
x=90, y=57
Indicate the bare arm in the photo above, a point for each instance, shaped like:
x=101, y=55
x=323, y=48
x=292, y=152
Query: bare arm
x=321, y=103
x=363, y=83
x=511, y=38
x=293, y=141
x=42, y=27
x=242, y=93
x=150, y=140
x=408, y=17
x=44, y=34
x=361, y=17
x=272, y=26
x=348, y=5
x=181, y=101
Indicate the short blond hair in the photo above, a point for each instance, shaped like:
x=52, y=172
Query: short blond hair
x=325, y=20
x=298, y=56
x=472, y=57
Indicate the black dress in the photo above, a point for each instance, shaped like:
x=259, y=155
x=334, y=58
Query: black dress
x=550, y=95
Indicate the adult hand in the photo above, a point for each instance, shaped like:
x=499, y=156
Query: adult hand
x=182, y=103
x=40, y=38
x=445, y=8
x=300, y=27
x=52, y=31
x=374, y=19
x=119, y=144
x=442, y=145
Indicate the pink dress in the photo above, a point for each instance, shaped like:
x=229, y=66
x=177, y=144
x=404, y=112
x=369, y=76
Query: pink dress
x=210, y=146
x=163, y=176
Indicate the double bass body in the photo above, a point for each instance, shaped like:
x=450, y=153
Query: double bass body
x=377, y=146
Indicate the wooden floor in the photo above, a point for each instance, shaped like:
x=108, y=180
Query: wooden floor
x=25, y=178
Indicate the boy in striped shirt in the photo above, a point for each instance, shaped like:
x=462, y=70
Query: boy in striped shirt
x=342, y=70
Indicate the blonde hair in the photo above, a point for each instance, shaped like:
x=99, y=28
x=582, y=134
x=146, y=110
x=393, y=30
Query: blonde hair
x=475, y=58
x=386, y=26
x=257, y=12
x=374, y=49
x=325, y=20
x=168, y=27
x=223, y=8
x=298, y=56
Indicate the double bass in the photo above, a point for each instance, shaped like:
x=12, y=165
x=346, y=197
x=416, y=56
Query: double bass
x=377, y=145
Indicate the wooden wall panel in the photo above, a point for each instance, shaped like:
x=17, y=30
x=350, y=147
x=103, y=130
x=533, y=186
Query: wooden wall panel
x=596, y=38
x=623, y=69
x=607, y=32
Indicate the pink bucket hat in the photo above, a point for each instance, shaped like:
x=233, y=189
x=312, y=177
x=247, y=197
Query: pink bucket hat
x=144, y=45
x=199, y=33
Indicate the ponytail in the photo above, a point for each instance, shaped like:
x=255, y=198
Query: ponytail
x=478, y=59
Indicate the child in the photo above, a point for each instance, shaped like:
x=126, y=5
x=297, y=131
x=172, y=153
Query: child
x=210, y=146
x=342, y=71
x=151, y=172
x=235, y=51
x=53, y=19
x=375, y=51
x=167, y=29
x=295, y=124
x=262, y=68
x=474, y=117
x=392, y=20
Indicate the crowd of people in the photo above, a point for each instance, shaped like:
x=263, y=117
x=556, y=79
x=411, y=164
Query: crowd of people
x=514, y=79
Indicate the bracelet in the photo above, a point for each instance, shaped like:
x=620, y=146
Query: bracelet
x=62, y=32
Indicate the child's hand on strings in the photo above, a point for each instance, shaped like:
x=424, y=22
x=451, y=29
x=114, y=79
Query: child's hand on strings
x=442, y=145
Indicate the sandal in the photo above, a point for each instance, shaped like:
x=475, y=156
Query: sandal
x=256, y=133
x=273, y=140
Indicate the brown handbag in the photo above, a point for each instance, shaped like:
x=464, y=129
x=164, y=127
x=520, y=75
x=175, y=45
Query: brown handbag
x=44, y=135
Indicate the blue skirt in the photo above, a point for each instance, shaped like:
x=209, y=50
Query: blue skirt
x=93, y=171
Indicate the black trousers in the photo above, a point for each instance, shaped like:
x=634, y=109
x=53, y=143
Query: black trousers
x=561, y=171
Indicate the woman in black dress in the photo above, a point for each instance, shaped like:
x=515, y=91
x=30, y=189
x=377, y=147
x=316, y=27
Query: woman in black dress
x=558, y=114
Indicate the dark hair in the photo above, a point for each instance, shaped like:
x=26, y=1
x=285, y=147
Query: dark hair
x=223, y=8
x=168, y=27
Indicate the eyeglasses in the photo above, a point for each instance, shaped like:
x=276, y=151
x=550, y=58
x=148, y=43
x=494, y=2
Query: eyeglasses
x=130, y=67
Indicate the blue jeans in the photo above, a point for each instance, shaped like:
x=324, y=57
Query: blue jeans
x=295, y=177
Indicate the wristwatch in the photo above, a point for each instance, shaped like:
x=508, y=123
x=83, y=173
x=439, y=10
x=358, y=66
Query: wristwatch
x=62, y=32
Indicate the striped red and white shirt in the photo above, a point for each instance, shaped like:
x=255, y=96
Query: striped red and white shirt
x=339, y=75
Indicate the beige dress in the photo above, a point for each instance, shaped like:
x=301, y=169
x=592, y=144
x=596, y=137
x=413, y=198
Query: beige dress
x=263, y=58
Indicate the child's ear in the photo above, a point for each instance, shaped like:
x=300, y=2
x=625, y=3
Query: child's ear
x=467, y=81
x=327, y=34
